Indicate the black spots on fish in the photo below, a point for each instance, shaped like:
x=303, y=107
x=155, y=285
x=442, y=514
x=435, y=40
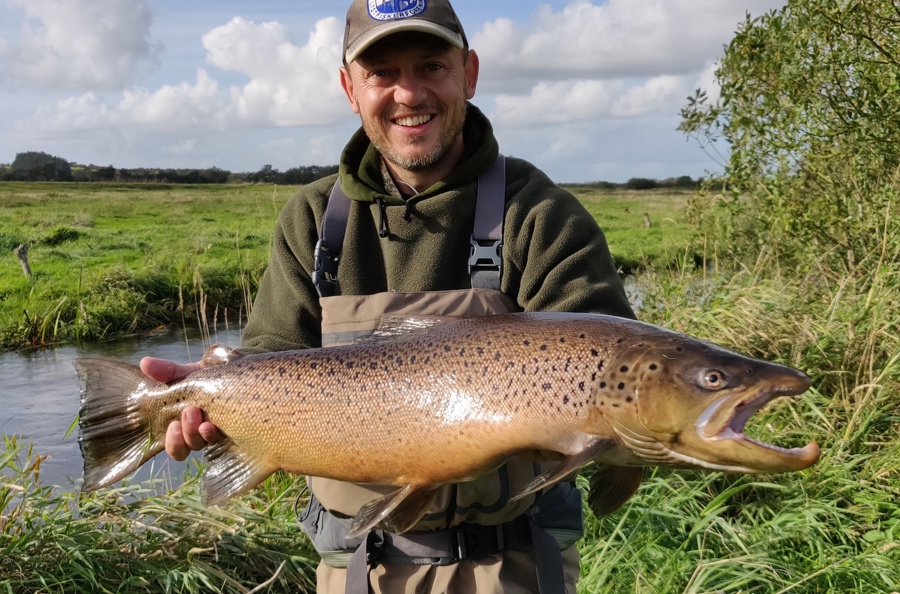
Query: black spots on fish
x=582, y=336
x=602, y=385
x=623, y=369
x=399, y=361
x=526, y=342
x=447, y=348
x=543, y=347
x=595, y=353
x=479, y=351
x=653, y=367
x=562, y=339
x=601, y=365
x=629, y=399
x=313, y=365
x=621, y=385
x=497, y=356
x=565, y=400
x=581, y=386
x=281, y=371
x=546, y=386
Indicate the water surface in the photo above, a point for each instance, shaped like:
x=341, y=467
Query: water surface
x=39, y=395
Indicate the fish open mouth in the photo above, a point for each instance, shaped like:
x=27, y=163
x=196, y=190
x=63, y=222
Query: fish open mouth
x=751, y=454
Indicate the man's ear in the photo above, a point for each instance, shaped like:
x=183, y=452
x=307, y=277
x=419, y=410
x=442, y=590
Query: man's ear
x=471, y=70
x=347, y=85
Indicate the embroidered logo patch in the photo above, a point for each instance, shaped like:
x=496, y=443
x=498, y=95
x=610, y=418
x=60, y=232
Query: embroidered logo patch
x=390, y=10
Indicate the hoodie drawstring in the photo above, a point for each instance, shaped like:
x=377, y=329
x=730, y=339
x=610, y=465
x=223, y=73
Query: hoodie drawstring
x=383, y=230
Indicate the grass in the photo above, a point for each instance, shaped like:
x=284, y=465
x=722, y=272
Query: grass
x=621, y=215
x=130, y=539
x=113, y=259
x=832, y=528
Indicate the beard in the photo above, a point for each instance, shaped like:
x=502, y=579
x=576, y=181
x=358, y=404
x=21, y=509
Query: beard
x=422, y=162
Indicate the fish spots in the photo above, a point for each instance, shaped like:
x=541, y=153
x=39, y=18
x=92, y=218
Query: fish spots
x=621, y=385
x=623, y=369
x=595, y=353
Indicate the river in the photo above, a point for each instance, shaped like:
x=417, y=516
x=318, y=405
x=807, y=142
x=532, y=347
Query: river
x=39, y=396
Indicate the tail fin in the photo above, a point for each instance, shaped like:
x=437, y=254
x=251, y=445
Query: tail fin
x=115, y=435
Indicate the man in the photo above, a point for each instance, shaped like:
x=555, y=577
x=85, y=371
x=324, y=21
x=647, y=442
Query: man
x=409, y=183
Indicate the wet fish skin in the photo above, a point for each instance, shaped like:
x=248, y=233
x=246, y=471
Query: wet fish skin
x=447, y=403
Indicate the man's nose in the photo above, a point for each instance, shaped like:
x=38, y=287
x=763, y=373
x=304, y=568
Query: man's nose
x=410, y=90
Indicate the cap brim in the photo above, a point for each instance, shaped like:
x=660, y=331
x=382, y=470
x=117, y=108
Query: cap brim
x=420, y=26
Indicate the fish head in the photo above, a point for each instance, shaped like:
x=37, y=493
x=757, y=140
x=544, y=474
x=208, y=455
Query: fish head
x=675, y=400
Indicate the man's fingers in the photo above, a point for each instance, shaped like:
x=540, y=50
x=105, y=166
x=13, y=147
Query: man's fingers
x=163, y=370
x=175, y=446
x=191, y=419
x=209, y=432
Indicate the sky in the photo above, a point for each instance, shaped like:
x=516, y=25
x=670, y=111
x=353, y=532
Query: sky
x=585, y=90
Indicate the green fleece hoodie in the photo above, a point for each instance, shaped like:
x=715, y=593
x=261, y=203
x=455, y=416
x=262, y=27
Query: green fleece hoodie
x=555, y=257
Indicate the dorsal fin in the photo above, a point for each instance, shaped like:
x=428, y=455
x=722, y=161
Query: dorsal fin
x=219, y=354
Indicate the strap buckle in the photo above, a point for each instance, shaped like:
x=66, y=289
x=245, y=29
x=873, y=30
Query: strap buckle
x=325, y=269
x=475, y=543
x=485, y=255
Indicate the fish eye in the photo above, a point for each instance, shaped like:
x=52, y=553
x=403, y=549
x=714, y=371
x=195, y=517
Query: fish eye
x=713, y=379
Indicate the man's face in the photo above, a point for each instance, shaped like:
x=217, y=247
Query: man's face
x=410, y=90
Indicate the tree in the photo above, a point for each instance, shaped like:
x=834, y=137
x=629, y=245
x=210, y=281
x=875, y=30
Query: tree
x=809, y=100
x=37, y=166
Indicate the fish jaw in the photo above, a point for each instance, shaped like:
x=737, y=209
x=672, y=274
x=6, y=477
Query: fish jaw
x=721, y=426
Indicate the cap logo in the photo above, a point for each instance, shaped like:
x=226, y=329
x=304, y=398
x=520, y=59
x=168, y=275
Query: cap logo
x=390, y=10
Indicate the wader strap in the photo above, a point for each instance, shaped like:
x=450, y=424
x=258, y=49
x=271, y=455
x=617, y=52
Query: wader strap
x=485, y=252
x=466, y=541
x=331, y=241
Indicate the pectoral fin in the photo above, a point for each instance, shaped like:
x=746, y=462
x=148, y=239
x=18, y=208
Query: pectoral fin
x=612, y=486
x=396, y=512
x=592, y=448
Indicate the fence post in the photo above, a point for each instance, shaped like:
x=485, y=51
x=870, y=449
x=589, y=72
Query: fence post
x=22, y=254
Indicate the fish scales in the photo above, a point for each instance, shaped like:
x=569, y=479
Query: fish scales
x=363, y=407
x=448, y=403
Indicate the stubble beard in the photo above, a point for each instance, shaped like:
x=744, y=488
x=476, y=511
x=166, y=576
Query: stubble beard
x=422, y=163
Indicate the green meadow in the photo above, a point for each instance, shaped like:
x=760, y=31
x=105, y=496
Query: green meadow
x=114, y=259
x=110, y=259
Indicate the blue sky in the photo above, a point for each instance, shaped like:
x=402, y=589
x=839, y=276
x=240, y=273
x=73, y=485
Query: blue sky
x=585, y=90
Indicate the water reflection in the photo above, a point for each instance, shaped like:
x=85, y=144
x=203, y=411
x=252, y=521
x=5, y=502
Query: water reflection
x=39, y=395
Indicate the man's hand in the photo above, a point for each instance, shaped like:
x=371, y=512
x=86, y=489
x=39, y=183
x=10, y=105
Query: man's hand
x=192, y=432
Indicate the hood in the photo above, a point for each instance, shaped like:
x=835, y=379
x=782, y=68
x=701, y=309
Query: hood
x=360, y=167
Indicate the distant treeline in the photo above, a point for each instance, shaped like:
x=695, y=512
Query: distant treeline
x=38, y=166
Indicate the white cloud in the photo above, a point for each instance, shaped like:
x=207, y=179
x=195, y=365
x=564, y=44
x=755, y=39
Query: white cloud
x=80, y=44
x=289, y=85
x=621, y=38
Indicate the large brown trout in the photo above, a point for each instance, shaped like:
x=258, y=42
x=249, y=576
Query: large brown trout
x=446, y=402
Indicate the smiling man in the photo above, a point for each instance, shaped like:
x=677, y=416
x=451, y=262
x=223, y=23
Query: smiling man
x=425, y=218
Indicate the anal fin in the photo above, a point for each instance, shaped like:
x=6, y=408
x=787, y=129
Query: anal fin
x=612, y=486
x=396, y=512
x=230, y=472
x=570, y=464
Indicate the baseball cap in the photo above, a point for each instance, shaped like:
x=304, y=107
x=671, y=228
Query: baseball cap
x=371, y=20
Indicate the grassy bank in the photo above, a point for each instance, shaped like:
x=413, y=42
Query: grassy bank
x=113, y=259
x=832, y=528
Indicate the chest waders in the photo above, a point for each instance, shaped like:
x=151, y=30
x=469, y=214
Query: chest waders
x=468, y=523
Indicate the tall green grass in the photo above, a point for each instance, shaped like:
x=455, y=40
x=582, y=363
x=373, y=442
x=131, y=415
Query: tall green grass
x=131, y=539
x=832, y=528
